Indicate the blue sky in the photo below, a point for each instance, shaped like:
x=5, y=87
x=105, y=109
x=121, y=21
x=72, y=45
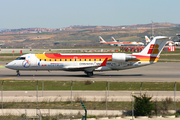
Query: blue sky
x=64, y=13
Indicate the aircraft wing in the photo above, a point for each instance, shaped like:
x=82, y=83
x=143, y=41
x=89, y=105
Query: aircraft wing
x=85, y=68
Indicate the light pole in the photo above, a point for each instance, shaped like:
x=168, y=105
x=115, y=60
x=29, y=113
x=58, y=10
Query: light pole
x=42, y=88
x=141, y=87
x=152, y=29
x=106, y=96
x=109, y=86
x=71, y=93
x=37, y=94
x=2, y=93
x=132, y=106
x=175, y=96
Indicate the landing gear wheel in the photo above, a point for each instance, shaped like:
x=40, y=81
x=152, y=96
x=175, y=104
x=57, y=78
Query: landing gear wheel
x=89, y=74
x=18, y=74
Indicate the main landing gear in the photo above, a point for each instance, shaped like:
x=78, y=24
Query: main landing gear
x=89, y=74
x=18, y=74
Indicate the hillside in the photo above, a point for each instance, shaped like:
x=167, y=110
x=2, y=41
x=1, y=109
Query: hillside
x=84, y=36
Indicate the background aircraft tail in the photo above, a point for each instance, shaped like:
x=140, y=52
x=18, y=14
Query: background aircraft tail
x=147, y=39
x=113, y=39
x=155, y=47
x=101, y=40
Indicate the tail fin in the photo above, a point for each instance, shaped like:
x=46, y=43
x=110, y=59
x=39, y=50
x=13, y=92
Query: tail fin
x=147, y=39
x=114, y=40
x=155, y=47
x=101, y=40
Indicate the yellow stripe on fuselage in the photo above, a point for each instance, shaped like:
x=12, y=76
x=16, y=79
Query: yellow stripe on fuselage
x=146, y=59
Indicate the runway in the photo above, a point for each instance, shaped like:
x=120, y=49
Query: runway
x=159, y=72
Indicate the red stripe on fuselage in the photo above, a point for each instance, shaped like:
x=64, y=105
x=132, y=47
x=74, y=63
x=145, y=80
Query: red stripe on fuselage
x=117, y=42
x=59, y=56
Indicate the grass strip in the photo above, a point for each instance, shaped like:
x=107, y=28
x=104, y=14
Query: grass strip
x=67, y=105
x=10, y=54
x=9, y=85
x=77, y=105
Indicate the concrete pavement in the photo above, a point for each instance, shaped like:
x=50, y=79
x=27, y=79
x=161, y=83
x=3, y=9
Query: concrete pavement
x=73, y=113
x=31, y=96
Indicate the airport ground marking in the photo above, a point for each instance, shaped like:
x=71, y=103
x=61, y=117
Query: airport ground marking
x=2, y=66
x=7, y=78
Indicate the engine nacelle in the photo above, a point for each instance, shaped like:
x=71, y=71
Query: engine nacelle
x=111, y=44
x=122, y=57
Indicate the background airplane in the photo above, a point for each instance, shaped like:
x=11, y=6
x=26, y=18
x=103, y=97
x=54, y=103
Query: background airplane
x=147, y=40
x=102, y=41
x=90, y=62
x=2, y=43
x=116, y=43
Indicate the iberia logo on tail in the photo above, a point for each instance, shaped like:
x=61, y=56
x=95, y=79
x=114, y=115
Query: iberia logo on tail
x=153, y=49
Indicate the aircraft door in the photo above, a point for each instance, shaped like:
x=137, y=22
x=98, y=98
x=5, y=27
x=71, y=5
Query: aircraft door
x=75, y=59
x=33, y=61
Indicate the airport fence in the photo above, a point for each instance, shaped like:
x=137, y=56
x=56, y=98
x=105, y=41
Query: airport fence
x=109, y=95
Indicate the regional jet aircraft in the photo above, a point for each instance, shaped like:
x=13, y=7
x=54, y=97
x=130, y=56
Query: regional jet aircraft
x=116, y=43
x=90, y=62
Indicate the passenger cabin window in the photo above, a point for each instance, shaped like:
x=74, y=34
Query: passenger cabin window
x=44, y=59
x=94, y=59
x=84, y=59
x=65, y=59
x=89, y=59
x=60, y=60
x=79, y=59
x=20, y=58
x=99, y=59
x=39, y=59
x=55, y=60
x=49, y=59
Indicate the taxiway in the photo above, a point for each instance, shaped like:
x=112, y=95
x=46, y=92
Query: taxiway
x=159, y=72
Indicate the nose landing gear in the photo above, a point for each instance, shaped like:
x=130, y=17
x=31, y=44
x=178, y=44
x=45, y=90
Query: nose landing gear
x=18, y=74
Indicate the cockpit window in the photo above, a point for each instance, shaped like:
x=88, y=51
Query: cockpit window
x=20, y=58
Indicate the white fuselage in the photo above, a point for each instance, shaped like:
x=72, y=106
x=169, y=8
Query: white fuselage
x=31, y=62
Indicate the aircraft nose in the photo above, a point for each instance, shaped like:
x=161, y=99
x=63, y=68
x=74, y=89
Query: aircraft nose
x=9, y=65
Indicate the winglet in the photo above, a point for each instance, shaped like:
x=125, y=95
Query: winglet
x=104, y=62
